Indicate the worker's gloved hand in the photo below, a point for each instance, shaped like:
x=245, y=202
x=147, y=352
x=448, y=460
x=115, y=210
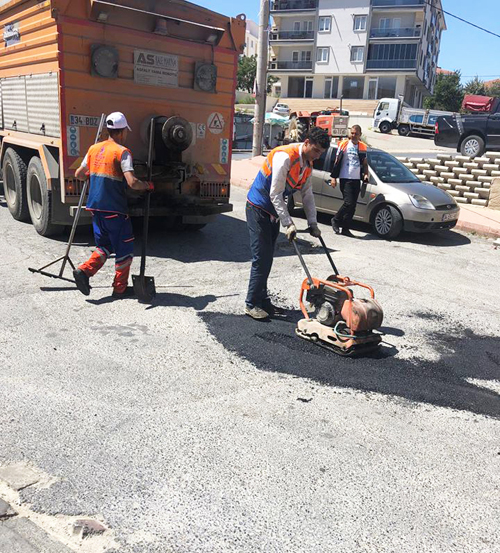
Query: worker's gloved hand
x=291, y=232
x=314, y=231
x=151, y=186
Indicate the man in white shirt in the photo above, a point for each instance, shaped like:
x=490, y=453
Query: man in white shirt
x=350, y=163
x=286, y=170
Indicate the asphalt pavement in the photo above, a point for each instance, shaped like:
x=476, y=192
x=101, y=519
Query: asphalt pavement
x=185, y=426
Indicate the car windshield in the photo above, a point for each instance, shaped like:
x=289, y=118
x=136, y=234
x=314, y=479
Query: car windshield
x=389, y=169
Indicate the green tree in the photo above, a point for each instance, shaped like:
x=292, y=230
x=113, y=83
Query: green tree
x=476, y=86
x=494, y=89
x=247, y=69
x=448, y=93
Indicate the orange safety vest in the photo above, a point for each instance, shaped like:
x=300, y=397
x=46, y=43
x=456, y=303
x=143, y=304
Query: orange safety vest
x=294, y=178
x=107, y=184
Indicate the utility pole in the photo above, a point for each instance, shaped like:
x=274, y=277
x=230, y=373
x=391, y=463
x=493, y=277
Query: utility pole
x=261, y=79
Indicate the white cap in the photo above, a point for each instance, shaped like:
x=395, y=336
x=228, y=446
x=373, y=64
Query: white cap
x=117, y=120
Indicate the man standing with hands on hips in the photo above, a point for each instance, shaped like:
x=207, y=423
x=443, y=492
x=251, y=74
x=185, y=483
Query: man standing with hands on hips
x=286, y=170
x=350, y=163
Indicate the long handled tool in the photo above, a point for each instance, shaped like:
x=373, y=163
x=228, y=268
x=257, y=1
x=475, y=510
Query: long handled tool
x=144, y=286
x=65, y=258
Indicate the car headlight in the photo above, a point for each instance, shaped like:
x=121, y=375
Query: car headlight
x=419, y=201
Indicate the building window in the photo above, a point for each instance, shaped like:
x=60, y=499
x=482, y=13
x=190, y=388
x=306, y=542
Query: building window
x=357, y=54
x=325, y=24
x=331, y=87
x=386, y=87
x=323, y=55
x=352, y=87
x=305, y=55
x=295, y=56
x=360, y=22
x=296, y=26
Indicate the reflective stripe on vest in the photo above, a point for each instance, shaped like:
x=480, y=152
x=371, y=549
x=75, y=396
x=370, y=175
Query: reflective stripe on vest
x=294, y=178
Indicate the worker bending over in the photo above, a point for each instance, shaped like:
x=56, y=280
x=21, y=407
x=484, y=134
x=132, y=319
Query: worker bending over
x=350, y=163
x=110, y=169
x=286, y=170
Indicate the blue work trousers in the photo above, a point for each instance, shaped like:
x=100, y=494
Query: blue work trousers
x=264, y=231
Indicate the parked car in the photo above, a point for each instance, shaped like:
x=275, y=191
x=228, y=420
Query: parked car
x=394, y=199
x=281, y=109
x=471, y=134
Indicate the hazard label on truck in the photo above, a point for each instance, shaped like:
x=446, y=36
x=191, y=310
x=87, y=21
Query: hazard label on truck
x=215, y=123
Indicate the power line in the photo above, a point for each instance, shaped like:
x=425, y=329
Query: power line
x=461, y=19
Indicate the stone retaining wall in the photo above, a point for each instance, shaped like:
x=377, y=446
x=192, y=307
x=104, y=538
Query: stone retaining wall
x=467, y=179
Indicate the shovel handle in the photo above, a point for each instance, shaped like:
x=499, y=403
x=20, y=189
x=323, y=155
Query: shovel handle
x=145, y=227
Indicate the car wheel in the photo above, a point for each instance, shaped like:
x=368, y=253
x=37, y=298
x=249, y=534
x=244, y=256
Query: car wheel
x=388, y=222
x=403, y=130
x=39, y=199
x=385, y=127
x=14, y=174
x=472, y=146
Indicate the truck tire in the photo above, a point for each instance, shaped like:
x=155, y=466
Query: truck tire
x=385, y=127
x=298, y=129
x=39, y=199
x=404, y=130
x=387, y=222
x=14, y=173
x=472, y=146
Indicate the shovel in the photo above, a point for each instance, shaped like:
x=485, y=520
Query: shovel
x=144, y=286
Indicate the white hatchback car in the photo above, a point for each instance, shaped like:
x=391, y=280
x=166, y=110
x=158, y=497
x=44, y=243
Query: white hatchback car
x=281, y=109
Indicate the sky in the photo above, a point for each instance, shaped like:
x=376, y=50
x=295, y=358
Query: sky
x=463, y=47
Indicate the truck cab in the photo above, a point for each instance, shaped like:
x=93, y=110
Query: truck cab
x=385, y=116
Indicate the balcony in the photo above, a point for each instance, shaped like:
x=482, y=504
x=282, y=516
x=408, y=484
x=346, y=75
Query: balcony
x=407, y=32
x=293, y=5
x=391, y=64
x=291, y=65
x=291, y=36
x=398, y=3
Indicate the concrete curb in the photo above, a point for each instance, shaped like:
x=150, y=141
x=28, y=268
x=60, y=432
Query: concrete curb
x=483, y=230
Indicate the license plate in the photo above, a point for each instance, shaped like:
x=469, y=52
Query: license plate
x=450, y=216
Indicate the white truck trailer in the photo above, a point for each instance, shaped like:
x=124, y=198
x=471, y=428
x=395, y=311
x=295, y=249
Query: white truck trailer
x=393, y=113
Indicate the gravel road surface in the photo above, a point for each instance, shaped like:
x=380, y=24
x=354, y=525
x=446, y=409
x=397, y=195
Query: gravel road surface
x=187, y=427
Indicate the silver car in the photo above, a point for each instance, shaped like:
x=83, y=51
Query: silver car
x=281, y=109
x=394, y=199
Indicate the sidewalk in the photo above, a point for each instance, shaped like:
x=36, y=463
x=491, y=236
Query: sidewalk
x=480, y=220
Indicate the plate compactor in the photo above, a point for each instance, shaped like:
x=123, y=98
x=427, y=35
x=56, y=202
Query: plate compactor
x=342, y=323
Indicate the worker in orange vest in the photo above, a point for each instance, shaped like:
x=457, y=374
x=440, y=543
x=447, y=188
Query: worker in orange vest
x=351, y=164
x=286, y=170
x=110, y=168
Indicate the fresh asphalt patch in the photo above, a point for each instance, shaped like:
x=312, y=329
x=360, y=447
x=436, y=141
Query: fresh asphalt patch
x=273, y=346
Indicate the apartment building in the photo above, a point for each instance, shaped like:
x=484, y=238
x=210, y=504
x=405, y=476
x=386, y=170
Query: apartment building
x=358, y=49
x=251, y=38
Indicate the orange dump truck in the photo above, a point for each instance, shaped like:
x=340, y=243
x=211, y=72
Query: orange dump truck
x=64, y=62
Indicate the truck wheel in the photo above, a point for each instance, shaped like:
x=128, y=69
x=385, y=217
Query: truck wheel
x=385, y=127
x=472, y=146
x=403, y=130
x=298, y=129
x=39, y=199
x=388, y=222
x=14, y=183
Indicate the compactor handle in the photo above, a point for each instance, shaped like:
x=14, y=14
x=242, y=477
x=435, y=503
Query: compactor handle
x=320, y=238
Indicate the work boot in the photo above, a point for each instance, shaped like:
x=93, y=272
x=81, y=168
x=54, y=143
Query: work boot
x=127, y=293
x=347, y=232
x=82, y=281
x=335, y=227
x=256, y=313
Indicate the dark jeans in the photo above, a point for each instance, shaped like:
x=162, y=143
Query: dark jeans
x=350, y=189
x=263, y=235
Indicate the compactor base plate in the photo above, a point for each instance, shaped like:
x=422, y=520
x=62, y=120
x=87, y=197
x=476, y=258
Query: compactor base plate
x=324, y=336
